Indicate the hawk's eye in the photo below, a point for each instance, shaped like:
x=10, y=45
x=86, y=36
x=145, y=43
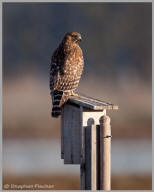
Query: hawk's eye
x=75, y=37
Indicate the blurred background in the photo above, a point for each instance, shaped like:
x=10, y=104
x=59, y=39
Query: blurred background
x=117, y=48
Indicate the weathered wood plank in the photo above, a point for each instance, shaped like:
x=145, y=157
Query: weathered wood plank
x=67, y=135
x=105, y=153
x=91, y=171
x=91, y=103
x=82, y=161
x=93, y=157
x=71, y=134
x=76, y=135
x=98, y=156
x=88, y=160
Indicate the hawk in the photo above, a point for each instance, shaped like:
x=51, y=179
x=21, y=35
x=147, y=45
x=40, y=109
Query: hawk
x=65, y=72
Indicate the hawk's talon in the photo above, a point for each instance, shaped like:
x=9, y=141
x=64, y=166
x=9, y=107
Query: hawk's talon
x=74, y=94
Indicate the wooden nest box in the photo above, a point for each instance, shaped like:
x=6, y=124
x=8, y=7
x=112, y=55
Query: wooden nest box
x=79, y=126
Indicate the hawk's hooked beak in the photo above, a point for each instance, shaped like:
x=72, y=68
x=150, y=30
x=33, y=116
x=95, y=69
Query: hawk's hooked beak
x=79, y=39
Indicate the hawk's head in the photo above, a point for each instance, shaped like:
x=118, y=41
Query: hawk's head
x=73, y=37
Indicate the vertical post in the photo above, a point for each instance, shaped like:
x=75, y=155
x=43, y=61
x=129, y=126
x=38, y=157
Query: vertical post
x=90, y=158
x=88, y=174
x=105, y=153
x=93, y=157
x=82, y=155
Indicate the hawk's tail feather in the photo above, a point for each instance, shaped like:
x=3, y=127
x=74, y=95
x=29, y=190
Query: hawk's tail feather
x=58, y=99
x=56, y=111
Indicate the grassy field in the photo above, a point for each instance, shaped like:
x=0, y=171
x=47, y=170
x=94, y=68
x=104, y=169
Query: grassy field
x=121, y=182
x=27, y=107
